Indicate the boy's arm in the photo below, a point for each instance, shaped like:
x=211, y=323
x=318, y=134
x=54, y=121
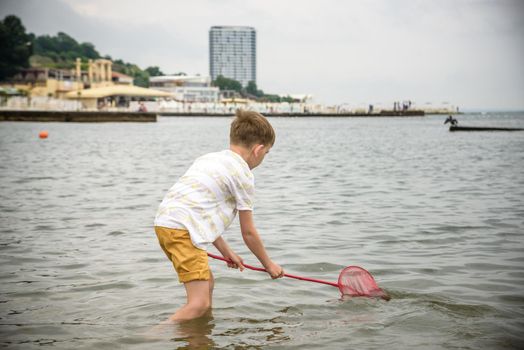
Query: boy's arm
x=254, y=243
x=222, y=246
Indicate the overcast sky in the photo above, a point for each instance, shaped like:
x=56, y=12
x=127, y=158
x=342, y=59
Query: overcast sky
x=469, y=53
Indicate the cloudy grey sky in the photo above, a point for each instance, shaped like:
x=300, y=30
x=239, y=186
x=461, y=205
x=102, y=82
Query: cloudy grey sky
x=465, y=52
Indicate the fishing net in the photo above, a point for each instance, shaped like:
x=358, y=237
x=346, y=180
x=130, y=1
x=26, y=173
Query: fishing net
x=356, y=281
x=353, y=281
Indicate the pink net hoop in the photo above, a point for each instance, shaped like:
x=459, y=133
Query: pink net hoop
x=358, y=282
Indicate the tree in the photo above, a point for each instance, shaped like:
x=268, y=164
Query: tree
x=141, y=78
x=271, y=98
x=63, y=50
x=65, y=43
x=154, y=71
x=88, y=51
x=15, y=47
x=224, y=83
x=288, y=99
x=252, y=89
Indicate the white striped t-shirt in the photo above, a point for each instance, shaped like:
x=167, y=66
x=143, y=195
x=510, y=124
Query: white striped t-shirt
x=206, y=198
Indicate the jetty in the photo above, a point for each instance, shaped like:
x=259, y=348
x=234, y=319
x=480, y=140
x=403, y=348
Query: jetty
x=481, y=128
x=77, y=116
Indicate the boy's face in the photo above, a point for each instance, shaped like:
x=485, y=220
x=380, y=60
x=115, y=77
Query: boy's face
x=258, y=153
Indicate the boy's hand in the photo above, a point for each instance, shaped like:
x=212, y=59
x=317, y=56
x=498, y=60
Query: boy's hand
x=275, y=270
x=235, y=262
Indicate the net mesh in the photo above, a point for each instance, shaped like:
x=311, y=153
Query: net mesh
x=356, y=281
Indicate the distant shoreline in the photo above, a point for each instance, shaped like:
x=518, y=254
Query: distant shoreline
x=127, y=116
x=132, y=116
x=412, y=113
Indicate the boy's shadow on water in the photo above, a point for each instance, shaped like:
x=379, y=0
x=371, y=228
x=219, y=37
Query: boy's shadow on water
x=195, y=333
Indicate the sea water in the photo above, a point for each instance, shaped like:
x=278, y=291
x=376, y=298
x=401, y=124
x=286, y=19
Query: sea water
x=437, y=217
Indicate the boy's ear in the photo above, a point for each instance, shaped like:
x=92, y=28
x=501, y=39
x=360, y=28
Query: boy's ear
x=257, y=149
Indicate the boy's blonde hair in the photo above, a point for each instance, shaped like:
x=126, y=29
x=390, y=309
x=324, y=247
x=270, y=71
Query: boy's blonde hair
x=249, y=128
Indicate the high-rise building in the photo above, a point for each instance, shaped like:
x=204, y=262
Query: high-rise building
x=233, y=53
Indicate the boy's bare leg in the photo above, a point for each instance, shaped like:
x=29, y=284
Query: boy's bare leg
x=211, y=286
x=198, y=301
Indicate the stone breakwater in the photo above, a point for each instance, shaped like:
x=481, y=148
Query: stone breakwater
x=77, y=116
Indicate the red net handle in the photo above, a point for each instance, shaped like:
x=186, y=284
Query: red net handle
x=286, y=275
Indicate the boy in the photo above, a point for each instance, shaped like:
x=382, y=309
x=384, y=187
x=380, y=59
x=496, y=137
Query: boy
x=202, y=204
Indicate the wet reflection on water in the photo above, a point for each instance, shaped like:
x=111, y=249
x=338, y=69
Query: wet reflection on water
x=200, y=334
x=257, y=331
x=194, y=334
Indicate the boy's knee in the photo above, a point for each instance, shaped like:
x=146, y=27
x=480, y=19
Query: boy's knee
x=200, y=306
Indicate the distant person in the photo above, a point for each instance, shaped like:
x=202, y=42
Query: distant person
x=451, y=120
x=202, y=204
x=142, y=107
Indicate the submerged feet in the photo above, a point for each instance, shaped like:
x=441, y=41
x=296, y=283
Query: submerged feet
x=196, y=332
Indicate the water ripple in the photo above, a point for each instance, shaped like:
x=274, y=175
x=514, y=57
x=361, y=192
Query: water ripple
x=441, y=231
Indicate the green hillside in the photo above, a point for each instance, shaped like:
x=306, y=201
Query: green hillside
x=19, y=49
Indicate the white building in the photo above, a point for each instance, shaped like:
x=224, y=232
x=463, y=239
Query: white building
x=233, y=53
x=186, y=88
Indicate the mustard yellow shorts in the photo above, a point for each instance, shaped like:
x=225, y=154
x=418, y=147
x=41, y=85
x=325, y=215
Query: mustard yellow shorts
x=189, y=261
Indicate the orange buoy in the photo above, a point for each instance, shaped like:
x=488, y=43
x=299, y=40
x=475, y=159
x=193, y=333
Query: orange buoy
x=43, y=134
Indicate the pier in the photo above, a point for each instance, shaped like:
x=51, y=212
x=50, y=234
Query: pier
x=481, y=128
x=76, y=116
